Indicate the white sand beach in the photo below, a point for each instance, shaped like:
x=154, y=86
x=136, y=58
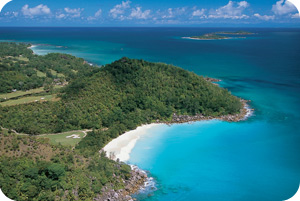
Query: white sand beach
x=120, y=148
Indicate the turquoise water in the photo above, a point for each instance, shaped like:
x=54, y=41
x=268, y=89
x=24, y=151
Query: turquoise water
x=257, y=159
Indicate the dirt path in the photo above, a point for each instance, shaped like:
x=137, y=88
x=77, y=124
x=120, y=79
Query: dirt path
x=85, y=132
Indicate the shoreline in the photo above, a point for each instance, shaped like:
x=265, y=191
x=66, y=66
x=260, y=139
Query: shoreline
x=37, y=53
x=119, y=149
x=245, y=112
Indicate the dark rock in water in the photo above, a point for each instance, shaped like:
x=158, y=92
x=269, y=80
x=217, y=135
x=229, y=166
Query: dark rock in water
x=212, y=79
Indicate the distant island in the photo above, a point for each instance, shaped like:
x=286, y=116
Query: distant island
x=210, y=36
x=219, y=35
x=80, y=108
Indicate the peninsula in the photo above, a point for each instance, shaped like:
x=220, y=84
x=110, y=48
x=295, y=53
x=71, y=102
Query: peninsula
x=110, y=101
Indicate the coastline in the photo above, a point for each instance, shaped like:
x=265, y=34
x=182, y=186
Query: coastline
x=32, y=46
x=119, y=149
x=245, y=112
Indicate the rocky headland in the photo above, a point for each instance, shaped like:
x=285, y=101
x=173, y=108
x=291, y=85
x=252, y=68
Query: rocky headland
x=137, y=181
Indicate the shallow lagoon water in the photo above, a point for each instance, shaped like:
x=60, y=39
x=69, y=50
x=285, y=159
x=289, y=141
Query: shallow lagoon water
x=257, y=159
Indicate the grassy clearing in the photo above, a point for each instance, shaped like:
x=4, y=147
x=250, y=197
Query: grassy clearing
x=22, y=93
x=14, y=59
x=54, y=73
x=61, y=138
x=29, y=100
x=40, y=73
x=22, y=58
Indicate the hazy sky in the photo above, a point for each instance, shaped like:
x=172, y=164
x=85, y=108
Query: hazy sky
x=149, y=13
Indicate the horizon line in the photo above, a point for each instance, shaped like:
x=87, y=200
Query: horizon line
x=293, y=27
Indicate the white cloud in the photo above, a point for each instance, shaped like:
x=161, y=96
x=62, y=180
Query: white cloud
x=15, y=14
x=173, y=15
x=264, y=17
x=169, y=13
x=60, y=16
x=283, y=7
x=198, y=13
x=118, y=10
x=233, y=10
x=243, y=4
x=38, y=10
x=97, y=15
x=74, y=12
x=10, y=14
x=296, y=15
x=174, y=12
x=139, y=14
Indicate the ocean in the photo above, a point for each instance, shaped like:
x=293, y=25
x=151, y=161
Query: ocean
x=257, y=159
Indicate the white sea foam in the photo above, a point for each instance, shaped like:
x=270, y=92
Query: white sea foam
x=149, y=184
x=35, y=51
x=249, y=113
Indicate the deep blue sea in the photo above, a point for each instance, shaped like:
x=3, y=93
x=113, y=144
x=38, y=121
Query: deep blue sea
x=254, y=160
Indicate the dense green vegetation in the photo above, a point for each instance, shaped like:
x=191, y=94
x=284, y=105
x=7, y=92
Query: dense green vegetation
x=32, y=169
x=22, y=70
x=120, y=96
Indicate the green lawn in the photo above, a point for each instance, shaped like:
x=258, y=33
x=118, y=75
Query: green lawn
x=28, y=99
x=53, y=72
x=40, y=73
x=61, y=138
x=21, y=58
x=22, y=93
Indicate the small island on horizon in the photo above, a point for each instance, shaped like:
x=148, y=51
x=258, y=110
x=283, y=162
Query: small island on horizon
x=219, y=35
x=210, y=36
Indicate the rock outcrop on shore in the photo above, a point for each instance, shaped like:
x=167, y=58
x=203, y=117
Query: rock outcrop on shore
x=198, y=117
x=132, y=185
x=212, y=79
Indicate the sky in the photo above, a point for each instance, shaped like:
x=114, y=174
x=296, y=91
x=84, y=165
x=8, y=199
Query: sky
x=103, y=13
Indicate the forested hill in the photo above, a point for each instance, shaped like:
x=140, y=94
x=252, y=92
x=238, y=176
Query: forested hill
x=20, y=69
x=120, y=96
